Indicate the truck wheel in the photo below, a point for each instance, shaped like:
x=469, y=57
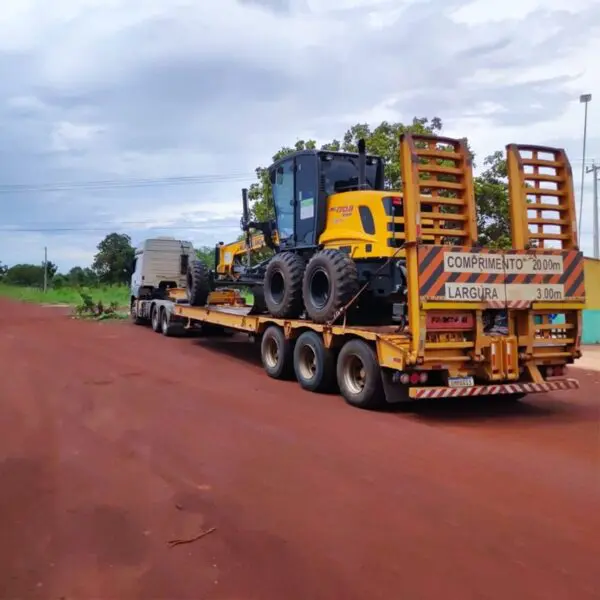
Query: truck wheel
x=197, y=283
x=277, y=353
x=314, y=364
x=330, y=282
x=359, y=375
x=133, y=314
x=155, y=318
x=166, y=326
x=283, y=285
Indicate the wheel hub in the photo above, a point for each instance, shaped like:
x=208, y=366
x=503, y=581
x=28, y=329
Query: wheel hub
x=271, y=353
x=355, y=376
x=307, y=363
x=277, y=287
x=320, y=288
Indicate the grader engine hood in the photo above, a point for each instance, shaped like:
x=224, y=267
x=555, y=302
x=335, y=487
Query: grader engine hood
x=500, y=278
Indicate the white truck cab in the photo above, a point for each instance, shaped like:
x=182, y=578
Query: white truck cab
x=160, y=264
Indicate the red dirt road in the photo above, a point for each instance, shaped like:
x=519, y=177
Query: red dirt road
x=114, y=440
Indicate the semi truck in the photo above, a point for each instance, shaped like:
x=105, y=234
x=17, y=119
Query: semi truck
x=462, y=319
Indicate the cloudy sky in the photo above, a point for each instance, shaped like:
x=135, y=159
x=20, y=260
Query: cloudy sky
x=106, y=106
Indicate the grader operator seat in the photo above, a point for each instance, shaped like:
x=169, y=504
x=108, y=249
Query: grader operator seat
x=302, y=182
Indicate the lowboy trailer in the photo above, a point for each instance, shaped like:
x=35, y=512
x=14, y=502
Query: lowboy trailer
x=478, y=321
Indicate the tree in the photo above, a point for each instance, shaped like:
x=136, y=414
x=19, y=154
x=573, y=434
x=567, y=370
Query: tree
x=383, y=141
x=3, y=270
x=80, y=276
x=491, y=196
x=206, y=254
x=113, y=263
x=51, y=269
x=26, y=275
x=491, y=189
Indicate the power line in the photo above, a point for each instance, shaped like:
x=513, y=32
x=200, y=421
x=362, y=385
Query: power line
x=114, y=226
x=110, y=184
x=114, y=184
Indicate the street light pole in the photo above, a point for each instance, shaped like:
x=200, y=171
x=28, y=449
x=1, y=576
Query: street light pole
x=584, y=99
x=595, y=171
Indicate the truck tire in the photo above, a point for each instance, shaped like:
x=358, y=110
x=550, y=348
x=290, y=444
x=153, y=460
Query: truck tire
x=283, y=285
x=135, y=319
x=197, y=283
x=155, y=318
x=167, y=327
x=277, y=353
x=314, y=364
x=330, y=282
x=359, y=375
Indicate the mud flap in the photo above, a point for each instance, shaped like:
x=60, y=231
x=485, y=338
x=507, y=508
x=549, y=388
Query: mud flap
x=395, y=393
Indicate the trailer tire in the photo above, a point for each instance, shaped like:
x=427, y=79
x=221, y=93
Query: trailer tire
x=277, y=353
x=330, y=282
x=359, y=375
x=283, y=285
x=155, y=318
x=314, y=364
x=197, y=283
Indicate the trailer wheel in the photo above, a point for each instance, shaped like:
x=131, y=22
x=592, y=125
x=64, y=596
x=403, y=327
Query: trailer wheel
x=155, y=319
x=314, y=364
x=283, y=285
x=359, y=375
x=277, y=353
x=197, y=283
x=330, y=282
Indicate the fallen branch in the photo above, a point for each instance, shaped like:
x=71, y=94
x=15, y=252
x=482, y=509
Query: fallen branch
x=173, y=543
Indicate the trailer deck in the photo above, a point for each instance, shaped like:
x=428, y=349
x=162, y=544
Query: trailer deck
x=391, y=347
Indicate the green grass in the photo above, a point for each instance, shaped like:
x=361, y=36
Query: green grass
x=67, y=295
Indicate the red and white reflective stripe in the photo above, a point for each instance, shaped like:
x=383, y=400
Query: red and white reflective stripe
x=495, y=304
x=518, y=304
x=493, y=390
x=509, y=304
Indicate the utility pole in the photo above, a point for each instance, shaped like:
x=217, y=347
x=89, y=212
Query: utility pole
x=45, y=269
x=595, y=171
x=583, y=99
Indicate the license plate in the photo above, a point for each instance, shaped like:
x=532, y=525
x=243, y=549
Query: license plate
x=460, y=382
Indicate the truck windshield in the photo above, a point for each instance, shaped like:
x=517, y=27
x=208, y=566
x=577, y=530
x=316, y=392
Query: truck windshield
x=341, y=173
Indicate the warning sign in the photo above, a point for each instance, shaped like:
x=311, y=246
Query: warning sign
x=498, y=292
x=524, y=264
x=482, y=275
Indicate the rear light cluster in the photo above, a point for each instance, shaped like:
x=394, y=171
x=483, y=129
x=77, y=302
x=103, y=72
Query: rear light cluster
x=557, y=371
x=413, y=378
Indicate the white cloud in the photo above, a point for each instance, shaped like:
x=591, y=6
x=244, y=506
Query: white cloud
x=107, y=89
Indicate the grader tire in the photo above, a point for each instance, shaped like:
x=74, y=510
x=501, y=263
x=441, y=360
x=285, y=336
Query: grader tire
x=283, y=285
x=197, y=283
x=330, y=282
